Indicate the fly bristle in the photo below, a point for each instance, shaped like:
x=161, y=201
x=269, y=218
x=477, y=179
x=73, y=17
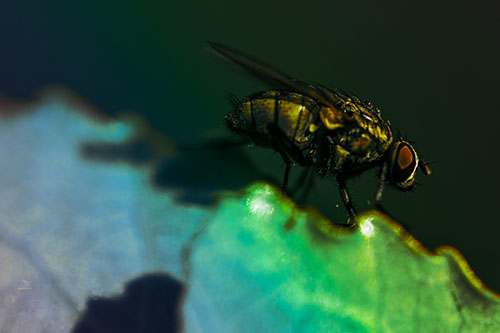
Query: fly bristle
x=431, y=162
x=233, y=99
x=398, y=134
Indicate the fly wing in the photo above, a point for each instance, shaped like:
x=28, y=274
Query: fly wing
x=274, y=77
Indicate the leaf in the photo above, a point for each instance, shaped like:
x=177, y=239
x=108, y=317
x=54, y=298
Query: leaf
x=81, y=215
x=250, y=268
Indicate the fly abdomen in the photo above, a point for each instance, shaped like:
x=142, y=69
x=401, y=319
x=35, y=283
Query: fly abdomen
x=290, y=112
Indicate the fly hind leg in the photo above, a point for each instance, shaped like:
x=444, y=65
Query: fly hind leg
x=286, y=149
x=288, y=167
x=280, y=147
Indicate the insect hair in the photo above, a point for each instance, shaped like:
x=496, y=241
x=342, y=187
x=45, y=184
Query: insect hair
x=232, y=98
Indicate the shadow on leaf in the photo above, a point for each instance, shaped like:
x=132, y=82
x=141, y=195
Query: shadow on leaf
x=149, y=304
x=194, y=175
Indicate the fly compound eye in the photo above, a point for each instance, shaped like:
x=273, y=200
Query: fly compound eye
x=405, y=158
x=403, y=165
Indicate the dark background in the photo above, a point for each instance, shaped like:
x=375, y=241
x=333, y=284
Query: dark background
x=432, y=68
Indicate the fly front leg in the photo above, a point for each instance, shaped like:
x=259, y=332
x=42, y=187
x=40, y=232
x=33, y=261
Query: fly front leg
x=382, y=179
x=346, y=198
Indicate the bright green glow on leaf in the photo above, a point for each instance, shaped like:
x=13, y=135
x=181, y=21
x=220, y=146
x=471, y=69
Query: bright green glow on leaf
x=366, y=228
x=260, y=264
x=258, y=203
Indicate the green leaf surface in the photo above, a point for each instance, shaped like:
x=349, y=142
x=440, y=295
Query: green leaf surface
x=260, y=263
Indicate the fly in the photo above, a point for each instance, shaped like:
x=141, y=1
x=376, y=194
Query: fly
x=328, y=129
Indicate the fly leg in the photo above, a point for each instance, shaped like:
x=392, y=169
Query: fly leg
x=288, y=167
x=382, y=178
x=287, y=150
x=280, y=146
x=346, y=198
